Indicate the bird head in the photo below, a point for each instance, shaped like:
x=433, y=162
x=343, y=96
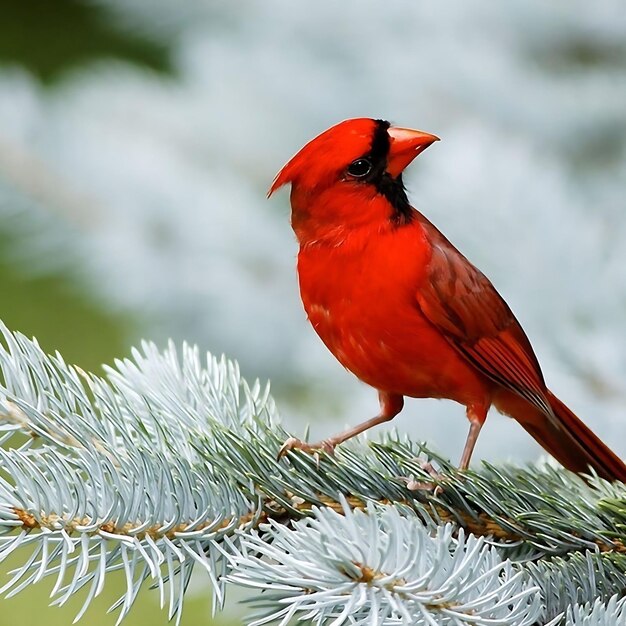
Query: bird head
x=351, y=176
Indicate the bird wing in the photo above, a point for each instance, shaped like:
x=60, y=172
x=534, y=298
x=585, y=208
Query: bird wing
x=462, y=303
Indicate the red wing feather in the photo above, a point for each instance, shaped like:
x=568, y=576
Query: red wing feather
x=463, y=304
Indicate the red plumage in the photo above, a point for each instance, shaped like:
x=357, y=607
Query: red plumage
x=400, y=307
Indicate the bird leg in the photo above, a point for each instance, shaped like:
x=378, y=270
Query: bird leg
x=477, y=419
x=390, y=405
x=476, y=416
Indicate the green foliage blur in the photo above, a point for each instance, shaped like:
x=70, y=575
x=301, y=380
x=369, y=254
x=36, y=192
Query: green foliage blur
x=49, y=39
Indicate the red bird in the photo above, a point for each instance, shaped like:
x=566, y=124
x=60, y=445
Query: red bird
x=401, y=308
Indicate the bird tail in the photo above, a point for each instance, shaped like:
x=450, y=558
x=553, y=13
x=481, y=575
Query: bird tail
x=569, y=440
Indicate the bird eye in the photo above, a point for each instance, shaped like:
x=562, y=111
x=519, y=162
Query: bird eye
x=360, y=168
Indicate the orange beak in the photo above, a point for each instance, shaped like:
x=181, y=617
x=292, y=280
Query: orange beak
x=405, y=145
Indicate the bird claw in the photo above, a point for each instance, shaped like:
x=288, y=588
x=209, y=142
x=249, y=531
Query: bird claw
x=416, y=485
x=427, y=466
x=293, y=443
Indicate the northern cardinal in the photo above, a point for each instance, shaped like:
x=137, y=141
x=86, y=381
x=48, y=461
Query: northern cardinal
x=401, y=308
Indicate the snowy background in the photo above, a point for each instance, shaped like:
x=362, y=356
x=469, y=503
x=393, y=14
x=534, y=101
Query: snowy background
x=144, y=185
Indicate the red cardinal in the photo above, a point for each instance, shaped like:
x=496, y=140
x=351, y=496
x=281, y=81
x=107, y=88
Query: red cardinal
x=400, y=307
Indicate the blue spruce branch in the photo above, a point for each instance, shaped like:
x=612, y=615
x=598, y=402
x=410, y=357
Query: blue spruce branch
x=168, y=464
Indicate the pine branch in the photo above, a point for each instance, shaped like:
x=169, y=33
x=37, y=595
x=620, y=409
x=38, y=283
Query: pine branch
x=167, y=464
x=612, y=613
x=380, y=566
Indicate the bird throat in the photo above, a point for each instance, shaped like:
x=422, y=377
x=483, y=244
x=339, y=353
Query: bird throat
x=392, y=189
x=395, y=193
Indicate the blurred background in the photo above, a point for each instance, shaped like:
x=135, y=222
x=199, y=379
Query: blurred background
x=138, y=139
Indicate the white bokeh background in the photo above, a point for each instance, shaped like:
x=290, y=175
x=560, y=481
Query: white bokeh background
x=152, y=189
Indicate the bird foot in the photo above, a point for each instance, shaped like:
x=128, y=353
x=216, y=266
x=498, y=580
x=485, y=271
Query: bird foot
x=415, y=485
x=326, y=445
x=427, y=466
